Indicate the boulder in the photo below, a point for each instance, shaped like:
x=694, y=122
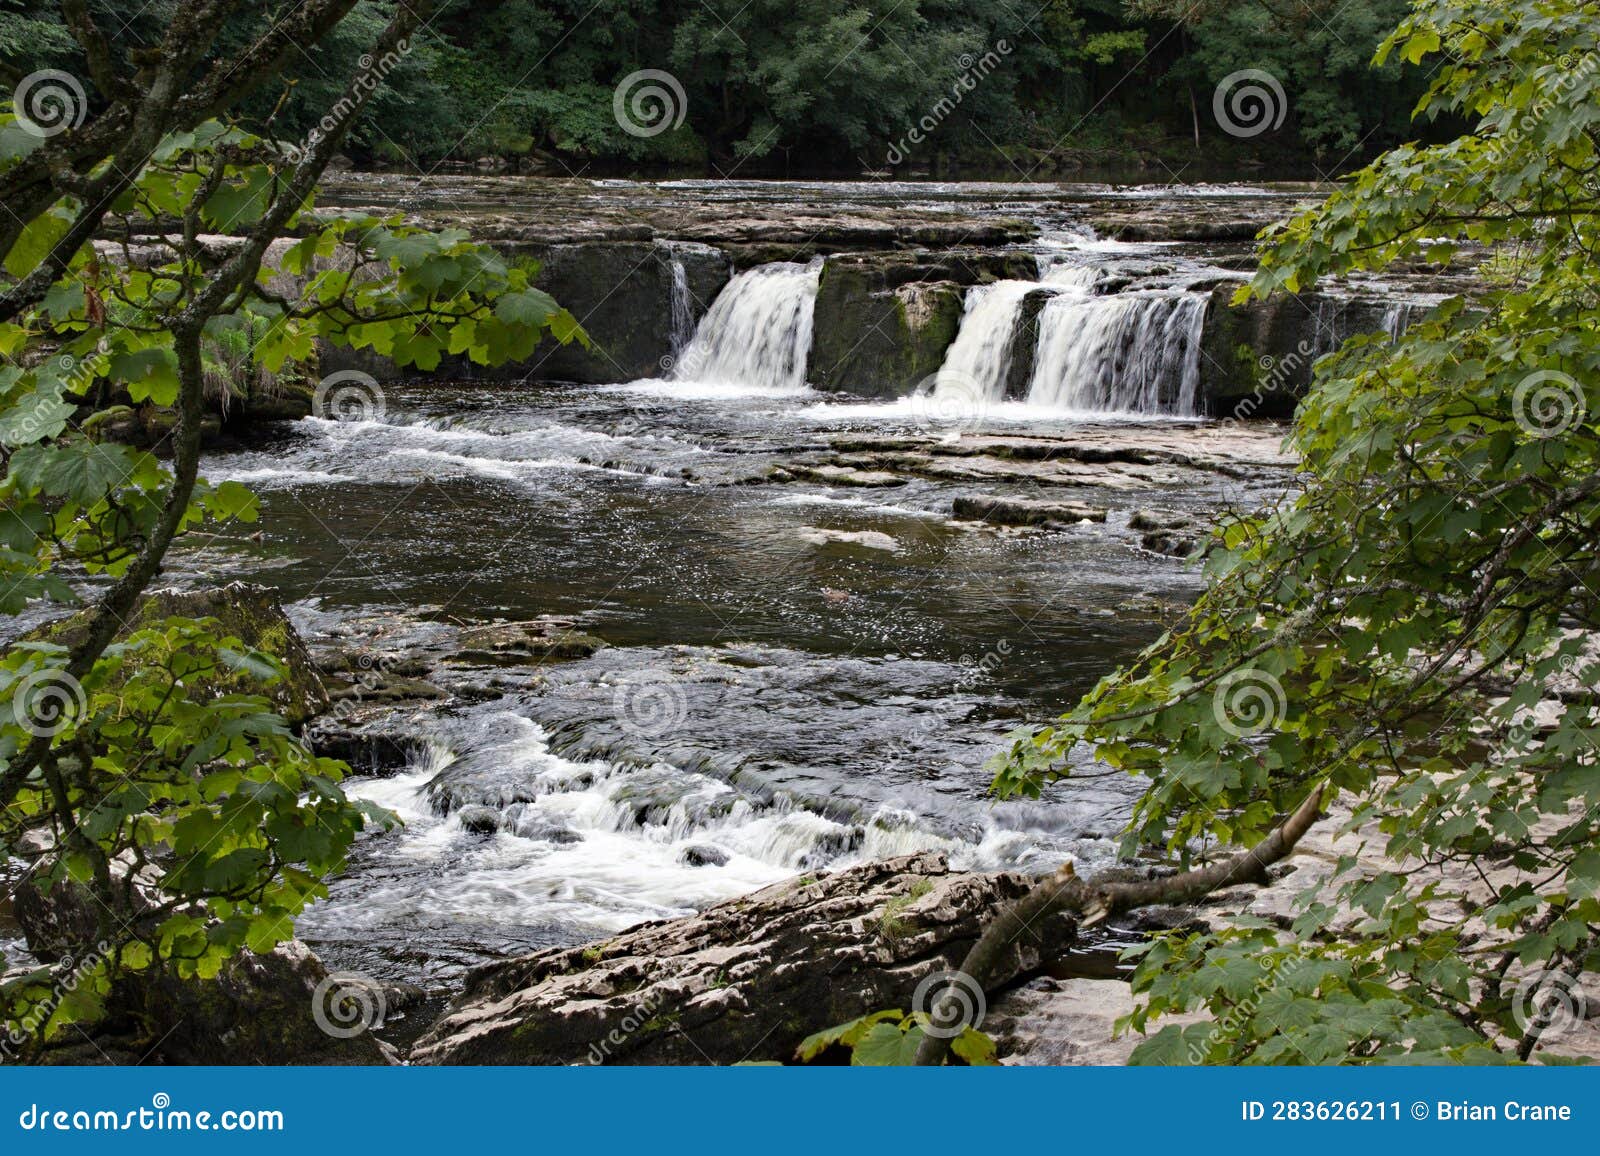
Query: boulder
x=1024, y=511
x=1256, y=358
x=280, y=1007
x=1163, y=532
x=478, y=819
x=744, y=980
x=883, y=321
x=498, y=643
x=702, y=855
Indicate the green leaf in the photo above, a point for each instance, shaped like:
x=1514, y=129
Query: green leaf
x=886, y=1045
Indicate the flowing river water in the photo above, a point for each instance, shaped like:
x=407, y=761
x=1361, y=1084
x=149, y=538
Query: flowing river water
x=798, y=676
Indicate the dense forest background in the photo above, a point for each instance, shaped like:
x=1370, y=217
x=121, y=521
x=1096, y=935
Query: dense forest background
x=775, y=87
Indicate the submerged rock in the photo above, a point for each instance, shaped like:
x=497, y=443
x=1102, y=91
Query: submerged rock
x=478, y=819
x=700, y=855
x=516, y=642
x=1164, y=532
x=844, y=476
x=1025, y=511
x=868, y=539
x=746, y=979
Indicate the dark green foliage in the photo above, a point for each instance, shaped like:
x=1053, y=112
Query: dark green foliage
x=771, y=86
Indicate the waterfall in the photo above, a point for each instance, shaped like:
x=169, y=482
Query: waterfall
x=1081, y=277
x=1126, y=353
x=682, y=308
x=758, y=330
x=977, y=362
x=1397, y=317
x=1326, y=338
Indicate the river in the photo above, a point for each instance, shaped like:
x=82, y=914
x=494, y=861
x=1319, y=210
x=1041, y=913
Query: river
x=800, y=674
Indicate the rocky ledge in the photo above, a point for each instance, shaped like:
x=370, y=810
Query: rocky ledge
x=744, y=980
x=1103, y=457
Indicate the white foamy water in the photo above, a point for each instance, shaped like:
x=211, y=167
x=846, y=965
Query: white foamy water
x=268, y=477
x=977, y=362
x=1126, y=353
x=604, y=846
x=758, y=330
x=705, y=390
x=914, y=411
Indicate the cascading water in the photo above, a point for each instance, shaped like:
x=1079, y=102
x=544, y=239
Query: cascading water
x=682, y=309
x=1396, y=318
x=977, y=362
x=1126, y=353
x=1082, y=277
x=1327, y=337
x=758, y=330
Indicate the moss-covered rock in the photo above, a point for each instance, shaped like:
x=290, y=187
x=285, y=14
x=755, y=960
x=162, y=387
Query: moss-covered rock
x=884, y=320
x=1256, y=358
x=877, y=340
